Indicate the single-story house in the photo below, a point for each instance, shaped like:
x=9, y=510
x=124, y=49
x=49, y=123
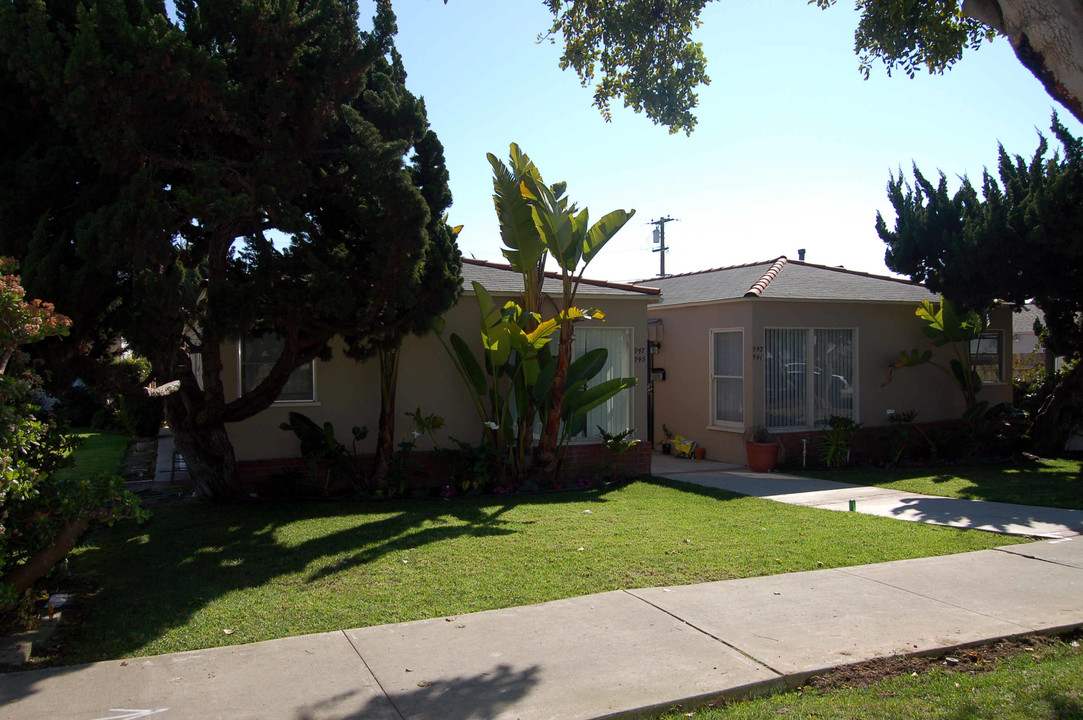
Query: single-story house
x=786, y=344
x=347, y=393
x=1028, y=351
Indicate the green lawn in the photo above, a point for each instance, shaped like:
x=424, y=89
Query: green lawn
x=1050, y=483
x=1045, y=683
x=101, y=452
x=192, y=572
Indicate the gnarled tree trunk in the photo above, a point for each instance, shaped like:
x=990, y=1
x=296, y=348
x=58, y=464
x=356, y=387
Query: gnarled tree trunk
x=1047, y=36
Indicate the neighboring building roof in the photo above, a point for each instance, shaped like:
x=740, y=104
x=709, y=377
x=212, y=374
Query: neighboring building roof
x=784, y=279
x=1023, y=320
x=501, y=279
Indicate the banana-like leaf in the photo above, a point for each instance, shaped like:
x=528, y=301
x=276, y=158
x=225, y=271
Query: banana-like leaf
x=524, y=247
x=586, y=367
x=470, y=365
x=603, y=231
x=543, y=384
x=490, y=316
x=543, y=333
x=583, y=402
x=914, y=357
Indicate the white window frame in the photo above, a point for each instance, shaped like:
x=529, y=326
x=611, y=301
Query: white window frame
x=241, y=389
x=590, y=430
x=1001, y=365
x=810, y=364
x=712, y=422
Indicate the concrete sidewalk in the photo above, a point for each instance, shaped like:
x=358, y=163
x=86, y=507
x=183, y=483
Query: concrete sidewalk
x=625, y=653
x=897, y=504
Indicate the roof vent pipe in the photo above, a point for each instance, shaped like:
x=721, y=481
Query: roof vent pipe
x=801, y=254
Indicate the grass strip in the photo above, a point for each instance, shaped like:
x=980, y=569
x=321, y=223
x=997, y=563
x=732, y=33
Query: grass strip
x=1041, y=679
x=194, y=571
x=100, y=452
x=1046, y=483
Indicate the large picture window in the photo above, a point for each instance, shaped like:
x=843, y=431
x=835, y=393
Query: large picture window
x=727, y=378
x=808, y=376
x=987, y=354
x=258, y=356
x=615, y=414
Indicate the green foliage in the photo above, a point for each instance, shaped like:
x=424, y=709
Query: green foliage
x=179, y=147
x=618, y=443
x=37, y=503
x=911, y=34
x=1016, y=239
x=644, y=51
x=838, y=441
x=946, y=326
x=328, y=459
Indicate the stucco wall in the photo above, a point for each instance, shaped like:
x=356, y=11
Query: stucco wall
x=682, y=401
x=348, y=392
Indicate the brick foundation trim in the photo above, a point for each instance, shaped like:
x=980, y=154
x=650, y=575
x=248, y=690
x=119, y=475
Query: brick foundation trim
x=581, y=462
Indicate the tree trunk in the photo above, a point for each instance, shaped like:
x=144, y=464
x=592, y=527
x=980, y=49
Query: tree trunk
x=1061, y=414
x=1047, y=36
x=548, y=457
x=385, y=434
x=208, y=453
x=23, y=577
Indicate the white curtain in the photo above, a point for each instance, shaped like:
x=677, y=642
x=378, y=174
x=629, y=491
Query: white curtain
x=728, y=377
x=614, y=415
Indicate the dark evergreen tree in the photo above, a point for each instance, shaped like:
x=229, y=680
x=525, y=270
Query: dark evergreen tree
x=1016, y=240
x=148, y=165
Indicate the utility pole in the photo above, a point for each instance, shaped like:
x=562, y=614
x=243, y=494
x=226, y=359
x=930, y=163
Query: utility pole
x=660, y=240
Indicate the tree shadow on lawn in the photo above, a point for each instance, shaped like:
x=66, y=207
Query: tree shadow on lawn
x=157, y=576
x=1047, y=483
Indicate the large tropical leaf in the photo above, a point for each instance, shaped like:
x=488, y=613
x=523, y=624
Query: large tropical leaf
x=603, y=231
x=577, y=405
x=523, y=245
x=469, y=364
x=586, y=367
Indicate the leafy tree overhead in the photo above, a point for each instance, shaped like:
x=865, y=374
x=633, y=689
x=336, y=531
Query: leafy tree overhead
x=1016, y=239
x=643, y=50
x=146, y=164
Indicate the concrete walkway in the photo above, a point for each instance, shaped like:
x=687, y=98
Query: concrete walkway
x=616, y=654
x=897, y=504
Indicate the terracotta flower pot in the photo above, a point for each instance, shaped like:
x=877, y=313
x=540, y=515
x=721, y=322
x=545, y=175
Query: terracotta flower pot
x=700, y=453
x=761, y=456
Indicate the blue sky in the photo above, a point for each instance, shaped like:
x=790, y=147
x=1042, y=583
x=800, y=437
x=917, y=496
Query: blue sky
x=793, y=148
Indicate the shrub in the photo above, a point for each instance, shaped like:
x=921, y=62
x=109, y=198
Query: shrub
x=141, y=416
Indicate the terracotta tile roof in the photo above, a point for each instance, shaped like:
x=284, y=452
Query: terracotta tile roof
x=784, y=279
x=501, y=279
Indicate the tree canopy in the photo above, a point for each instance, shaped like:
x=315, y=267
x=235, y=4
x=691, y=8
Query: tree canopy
x=644, y=52
x=1017, y=238
x=151, y=168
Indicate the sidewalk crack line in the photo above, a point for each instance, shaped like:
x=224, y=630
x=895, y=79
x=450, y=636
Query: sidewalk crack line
x=710, y=635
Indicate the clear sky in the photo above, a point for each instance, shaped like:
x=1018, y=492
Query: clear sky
x=793, y=148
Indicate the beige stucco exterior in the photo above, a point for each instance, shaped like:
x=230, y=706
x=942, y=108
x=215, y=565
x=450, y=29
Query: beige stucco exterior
x=347, y=392
x=682, y=400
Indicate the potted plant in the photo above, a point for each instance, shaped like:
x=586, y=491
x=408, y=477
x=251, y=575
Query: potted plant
x=761, y=448
x=667, y=446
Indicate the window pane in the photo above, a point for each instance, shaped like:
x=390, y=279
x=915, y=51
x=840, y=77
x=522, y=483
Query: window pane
x=727, y=377
x=729, y=400
x=833, y=374
x=987, y=357
x=785, y=377
x=258, y=356
x=727, y=354
x=615, y=414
